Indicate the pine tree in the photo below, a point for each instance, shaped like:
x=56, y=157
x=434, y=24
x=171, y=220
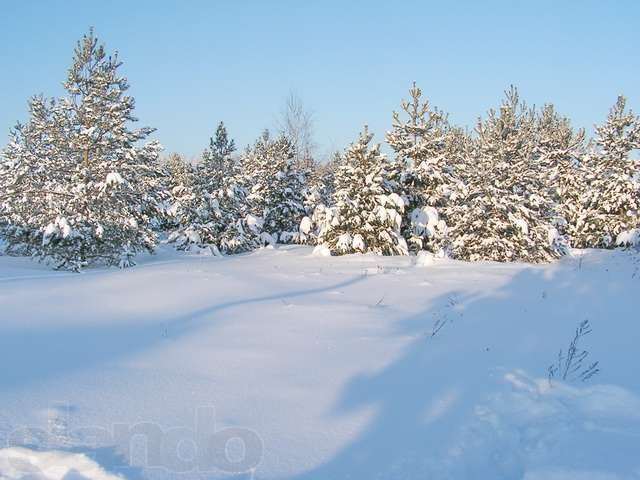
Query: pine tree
x=319, y=200
x=80, y=190
x=276, y=197
x=180, y=173
x=218, y=166
x=180, y=192
x=424, y=170
x=558, y=151
x=504, y=216
x=328, y=177
x=23, y=175
x=4, y=207
x=216, y=217
x=367, y=216
x=221, y=145
x=609, y=212
x=315, y=186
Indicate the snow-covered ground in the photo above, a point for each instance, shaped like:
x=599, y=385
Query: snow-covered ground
x=294, y=366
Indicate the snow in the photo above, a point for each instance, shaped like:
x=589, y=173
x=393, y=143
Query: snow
x=629, y=238
x=425, y=259
x=520, y=223
x=22, y=463
x=89, y=131
x=344, y=242
x=60, y=227
x=254, y=223
x=396, y=201
x=306, y=225
x=321, y=251
x=192, y=236
x=114, y=178
x=301, y=366
x=358, y=242
x=425, y=221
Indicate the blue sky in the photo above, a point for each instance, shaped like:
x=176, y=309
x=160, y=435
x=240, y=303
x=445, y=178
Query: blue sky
x=193, y=63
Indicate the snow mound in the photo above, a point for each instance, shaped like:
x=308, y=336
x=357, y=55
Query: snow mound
x=20, y=463
x=629, y=238
x=539, y=430
x=306, y=225
x=426, y=221
x=425, y=259
x=321, y=251
x=114, y=178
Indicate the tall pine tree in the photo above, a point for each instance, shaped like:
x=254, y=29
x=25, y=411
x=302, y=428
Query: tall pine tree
x=217, y=217
x=558, y=151
x=80, y=188
x=367, y=216
x=505, y=215
x=424, y=170
x=277, y=188
x=609, y=211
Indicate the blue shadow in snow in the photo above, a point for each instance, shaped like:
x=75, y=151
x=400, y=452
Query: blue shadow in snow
x=423, y=399
x=34, y=355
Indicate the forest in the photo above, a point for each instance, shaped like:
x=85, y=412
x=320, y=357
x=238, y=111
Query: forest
x=80, y=186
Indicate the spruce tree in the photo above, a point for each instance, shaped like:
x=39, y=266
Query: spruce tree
x=328, y=177
x=315, y=187
x=277, y=189
x=367, y=216
x=424, y=170
x=218, y=167
x=216, y=215
x=558, y=152
x=181, y=193
x=24, y=175
x=79, y=188
x=319, y=200
x=504, y=215
x=609, y=213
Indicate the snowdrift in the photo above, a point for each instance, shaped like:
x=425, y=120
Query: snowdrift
x=291, y=365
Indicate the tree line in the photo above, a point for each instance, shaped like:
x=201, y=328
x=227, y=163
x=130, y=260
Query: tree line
x=80, y=186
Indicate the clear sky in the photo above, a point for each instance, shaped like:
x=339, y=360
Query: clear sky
x=193, y=63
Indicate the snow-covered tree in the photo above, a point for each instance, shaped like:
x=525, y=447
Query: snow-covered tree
x=220, y=144
x=277, y=188
x=424, y=170
x=4, y=207
x=218, y=166
x=79, y=188
x=328, y=176
x=318, y=200
x=180, y=193
x=315, y=187
x=180, y=173
x=609, y=213
x=558, y=151
x=367, y=216
x=505, y=215
x=320, y=183
x=216, y=217
x=23, y=175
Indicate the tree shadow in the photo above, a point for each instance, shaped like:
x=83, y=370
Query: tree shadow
x=40, y=354
x=426, y=400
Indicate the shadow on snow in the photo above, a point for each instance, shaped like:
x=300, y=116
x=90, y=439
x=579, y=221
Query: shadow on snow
x=36, y=355
x=425, y=423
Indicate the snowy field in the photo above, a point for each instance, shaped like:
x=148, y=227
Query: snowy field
x=283, y=365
